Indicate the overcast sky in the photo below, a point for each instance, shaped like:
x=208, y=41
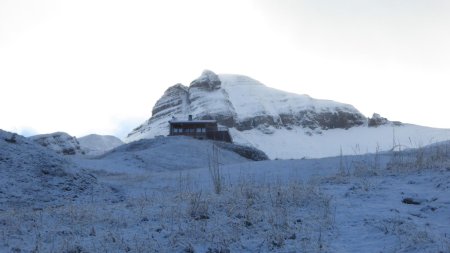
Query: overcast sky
x=99, y=66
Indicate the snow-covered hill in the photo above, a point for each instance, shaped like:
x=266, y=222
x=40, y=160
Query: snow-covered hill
x=169, y=154
x=34, y=176
x=282, y=124
x=60, y=142
x=95, y=144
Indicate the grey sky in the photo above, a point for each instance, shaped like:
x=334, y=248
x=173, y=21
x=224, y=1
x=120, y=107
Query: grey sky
x=99, y=66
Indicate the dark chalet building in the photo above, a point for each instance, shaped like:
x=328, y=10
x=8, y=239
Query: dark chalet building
x=199, y=129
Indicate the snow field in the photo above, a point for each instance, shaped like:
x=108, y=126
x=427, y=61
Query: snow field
x=244, y=217
x=305, y=143
x=372, y=211
x=384, y=202
x=249, y=97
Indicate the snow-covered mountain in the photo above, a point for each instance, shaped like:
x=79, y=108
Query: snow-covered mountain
x=283, y=125
x=95, y=144
x=243, y=103
x=60, y=142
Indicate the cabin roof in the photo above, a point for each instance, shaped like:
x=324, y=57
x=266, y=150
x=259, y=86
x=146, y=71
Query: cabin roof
x=191, y=121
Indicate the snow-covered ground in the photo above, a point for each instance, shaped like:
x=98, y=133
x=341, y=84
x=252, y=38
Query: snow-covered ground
x=383, y=202
x=305, y=143
x=94, y=144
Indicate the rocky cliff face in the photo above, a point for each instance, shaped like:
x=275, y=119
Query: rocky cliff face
x=173, y=102
x=60, y=142
x=377, y=120
x=243, y=103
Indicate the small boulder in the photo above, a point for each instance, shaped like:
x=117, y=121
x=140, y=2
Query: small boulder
x=413, y=201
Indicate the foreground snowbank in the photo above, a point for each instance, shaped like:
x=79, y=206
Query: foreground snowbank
x=36, y=177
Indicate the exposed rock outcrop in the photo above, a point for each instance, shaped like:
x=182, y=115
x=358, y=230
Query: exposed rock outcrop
x=377, y=120
x=60, y=142
x=250, y=153
x=173, y=101
x=208, y=81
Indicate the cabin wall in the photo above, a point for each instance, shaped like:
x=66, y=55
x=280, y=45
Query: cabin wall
x=200, y=131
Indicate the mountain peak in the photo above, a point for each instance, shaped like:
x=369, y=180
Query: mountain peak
x=208, y=80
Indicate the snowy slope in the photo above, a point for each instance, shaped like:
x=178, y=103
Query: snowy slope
x=300, y=142
x=34, y=176
x=250, y=98
x=282, y=124
x=95, y=144
x=390, y=202
x=60, y=142
x=162, y=154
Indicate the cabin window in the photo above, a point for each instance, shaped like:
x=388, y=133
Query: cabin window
x=201, y=130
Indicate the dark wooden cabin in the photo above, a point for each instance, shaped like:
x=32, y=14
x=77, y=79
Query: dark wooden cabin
x=200, y=129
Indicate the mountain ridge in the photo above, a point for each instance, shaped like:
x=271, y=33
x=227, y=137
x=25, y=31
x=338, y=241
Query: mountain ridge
x=283, y=125
x=221, y=97
x=65, y=144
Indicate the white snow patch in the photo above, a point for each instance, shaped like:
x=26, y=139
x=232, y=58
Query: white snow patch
x=300, y=142
x=251, y=98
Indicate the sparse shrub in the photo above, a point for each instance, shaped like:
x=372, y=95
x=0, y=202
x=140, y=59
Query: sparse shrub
x=214, y=169
x=218, y=250
x=342, y=170
x=408, y=236
x=376, y=161
x=420, y=157
x=76, y=249
x=363, y=169
x=189, y=249
x=198, y=207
